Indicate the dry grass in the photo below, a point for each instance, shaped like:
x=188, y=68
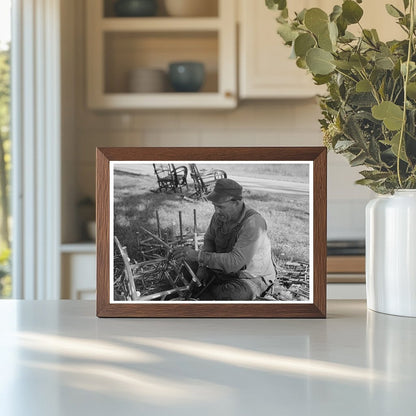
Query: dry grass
x=287, y=215
x=287, y=172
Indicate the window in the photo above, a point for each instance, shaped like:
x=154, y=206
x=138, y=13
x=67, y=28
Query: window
x=5, y=147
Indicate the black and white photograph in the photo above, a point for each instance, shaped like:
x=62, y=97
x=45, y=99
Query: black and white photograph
x=211, y=231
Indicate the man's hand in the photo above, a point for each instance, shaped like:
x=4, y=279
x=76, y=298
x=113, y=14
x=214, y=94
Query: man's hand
x=203, y=274
x=185, y=253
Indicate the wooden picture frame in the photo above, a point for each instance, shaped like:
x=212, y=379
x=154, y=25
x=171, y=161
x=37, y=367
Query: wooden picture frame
x=292, y=158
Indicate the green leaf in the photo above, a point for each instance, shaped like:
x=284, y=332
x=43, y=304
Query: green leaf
x=363, y=86
x=342, y=25
x=281, y=19
x=412, y=67
x=301, y=15
x=391, y=114
x=336, y=12
x=347, y=37
x=344, y=65
x=333, y=32
x=319, y=61
x=359, y=160
x=382, y=89
x=384, y=62
x=362, y=99
x=368, y=36
x=377, y=75
x=303, y=43
x=396, y=70
x=393, y=11
x=316, y=20
x=276, y=4
x=406, y=4
x=353, y=131
x=411, y=90
x=325, y=42
x=394, y=143
x=301, y=63
x=411, y=123
x=287, y=33
x=358, y=61
x=321, y=79
x=375, y=35
x=374, y=174
x=351, y=11
x=282, y=4
x=343, y=145
x=374, y=150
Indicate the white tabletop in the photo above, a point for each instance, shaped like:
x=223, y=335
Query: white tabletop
x=57, y=358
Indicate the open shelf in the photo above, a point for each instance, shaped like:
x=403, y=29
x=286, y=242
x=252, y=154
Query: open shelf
x=127, y=51
x=160, y=24
x=116, y=46
x=209, y=9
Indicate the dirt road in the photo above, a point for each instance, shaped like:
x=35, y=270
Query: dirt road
x=253, y=184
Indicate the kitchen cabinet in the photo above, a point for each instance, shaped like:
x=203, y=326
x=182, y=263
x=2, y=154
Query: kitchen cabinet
x=118, y=45
x=78, y=262
x=265, y=69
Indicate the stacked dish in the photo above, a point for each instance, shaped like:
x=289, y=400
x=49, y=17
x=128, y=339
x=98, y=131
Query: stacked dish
x=147, y=80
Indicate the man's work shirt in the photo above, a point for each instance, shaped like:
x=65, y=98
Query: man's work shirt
x=241, y=247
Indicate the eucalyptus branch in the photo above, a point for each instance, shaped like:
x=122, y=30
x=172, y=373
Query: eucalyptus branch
x=392, y=91
x=346, y=75
x=373, y=88
x=369, y=40
x=405, y=29
x=405, y=81
x=398, y=95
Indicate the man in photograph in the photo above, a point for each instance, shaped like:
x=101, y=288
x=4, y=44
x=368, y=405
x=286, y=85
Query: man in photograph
x=235, y=262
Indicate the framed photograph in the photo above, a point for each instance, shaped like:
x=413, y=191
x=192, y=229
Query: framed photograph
x=211, y=232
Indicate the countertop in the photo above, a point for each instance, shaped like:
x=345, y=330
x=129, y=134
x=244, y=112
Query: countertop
x=57, y=358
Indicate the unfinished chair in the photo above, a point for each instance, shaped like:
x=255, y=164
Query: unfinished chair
x=171, y=178
x=204, y=180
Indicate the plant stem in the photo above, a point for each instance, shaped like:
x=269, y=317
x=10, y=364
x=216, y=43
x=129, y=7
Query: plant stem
x=405, y=81
x=346, y=75
x=373, y=88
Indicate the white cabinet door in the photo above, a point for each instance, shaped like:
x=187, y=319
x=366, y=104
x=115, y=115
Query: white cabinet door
x=265, y=68
x=78, y=276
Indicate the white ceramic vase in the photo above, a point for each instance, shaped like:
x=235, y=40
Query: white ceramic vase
x=391, y=253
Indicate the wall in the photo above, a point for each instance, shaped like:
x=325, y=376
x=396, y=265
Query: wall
x=253, y=123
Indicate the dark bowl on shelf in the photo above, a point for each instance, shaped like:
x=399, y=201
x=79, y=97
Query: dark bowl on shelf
x=135, y=8
x=186, y=76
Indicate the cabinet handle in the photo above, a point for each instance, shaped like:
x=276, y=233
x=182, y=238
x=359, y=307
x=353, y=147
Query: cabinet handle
x=229, y=94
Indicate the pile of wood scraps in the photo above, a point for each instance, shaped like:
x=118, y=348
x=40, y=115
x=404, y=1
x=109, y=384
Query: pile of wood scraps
x=293, y=282
x=155, y=275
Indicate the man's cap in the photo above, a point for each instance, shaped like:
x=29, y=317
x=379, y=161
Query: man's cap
x=225, y=190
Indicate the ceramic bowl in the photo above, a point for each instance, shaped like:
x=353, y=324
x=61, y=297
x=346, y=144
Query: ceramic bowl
x=186, y=76
x=191, y=8
x=135, y=8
